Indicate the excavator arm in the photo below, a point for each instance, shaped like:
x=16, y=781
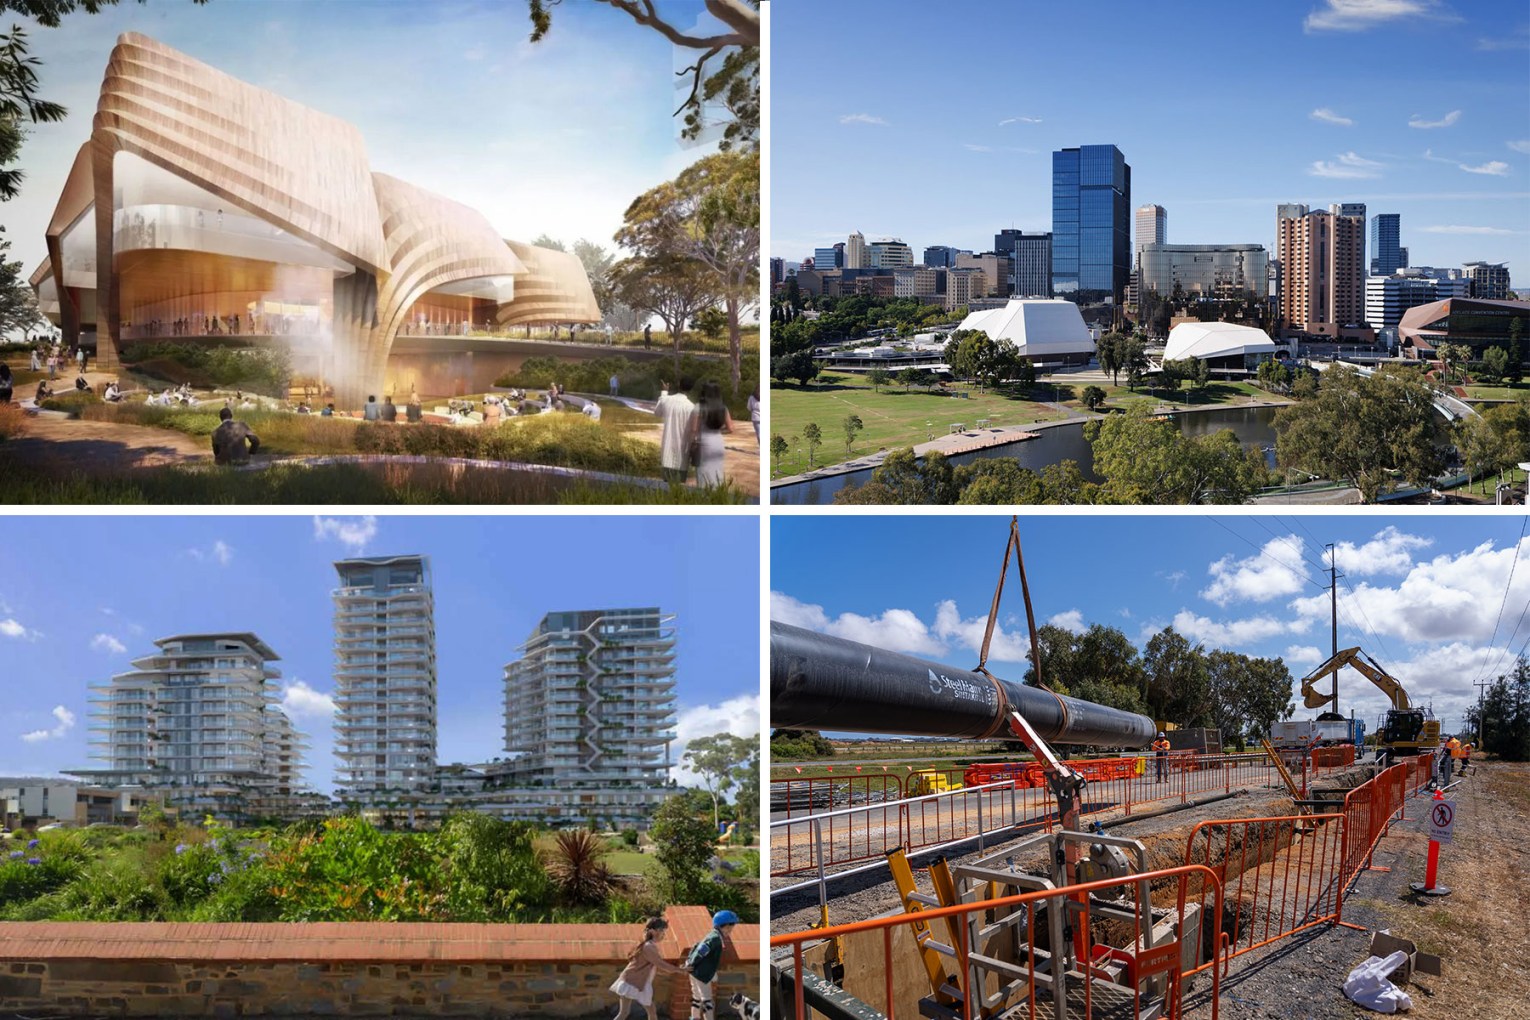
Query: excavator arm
x=1364, y=665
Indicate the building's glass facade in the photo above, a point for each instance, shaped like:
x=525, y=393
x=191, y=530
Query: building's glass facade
x=1206, y=270
x=1386, y=249
x=1091, y=222
x=826, y=258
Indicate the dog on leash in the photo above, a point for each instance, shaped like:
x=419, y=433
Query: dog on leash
x=745, y=1007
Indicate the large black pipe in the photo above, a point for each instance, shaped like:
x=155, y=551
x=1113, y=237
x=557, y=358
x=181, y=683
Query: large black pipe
x=818, y=682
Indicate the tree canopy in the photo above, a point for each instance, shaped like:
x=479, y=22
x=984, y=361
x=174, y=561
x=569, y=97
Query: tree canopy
x=1367, y=431
x=1145, y=460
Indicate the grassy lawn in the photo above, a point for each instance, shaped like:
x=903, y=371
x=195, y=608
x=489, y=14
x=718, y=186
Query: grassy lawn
x=1505, y=392
x=894, y=418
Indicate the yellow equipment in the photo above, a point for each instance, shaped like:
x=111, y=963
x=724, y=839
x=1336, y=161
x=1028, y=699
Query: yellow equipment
x=1407, y=729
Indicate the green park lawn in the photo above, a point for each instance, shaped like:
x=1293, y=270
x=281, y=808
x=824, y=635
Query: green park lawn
x=1507, y=391
x=895, y=417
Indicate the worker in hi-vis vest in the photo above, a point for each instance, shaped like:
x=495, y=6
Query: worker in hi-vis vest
x=1160, y=754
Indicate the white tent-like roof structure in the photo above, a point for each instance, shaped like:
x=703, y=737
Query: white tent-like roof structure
x=1215, y=340
x=1037, y=327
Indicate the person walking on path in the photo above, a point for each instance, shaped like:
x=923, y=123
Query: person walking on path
x=704, y=960
x=616, y=384
x=647, y=337
x=81, y=357
x=712, y=421
x=635, y=984
x=1160, y=754
x=678, y=416
x=233, y=441
x=754, y=412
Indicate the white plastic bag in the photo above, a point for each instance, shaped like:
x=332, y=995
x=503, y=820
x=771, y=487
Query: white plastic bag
x=1367, y=985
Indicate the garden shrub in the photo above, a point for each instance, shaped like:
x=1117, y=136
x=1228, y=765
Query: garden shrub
x=12, y=420
x=639, y=379
x=72, y=402
x=259, y=369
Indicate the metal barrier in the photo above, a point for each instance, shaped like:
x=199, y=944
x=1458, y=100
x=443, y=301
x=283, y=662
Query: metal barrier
x=842, y=838
x=1369, y=807
x=793, y=798
x=1279, y=875
x=994, y=964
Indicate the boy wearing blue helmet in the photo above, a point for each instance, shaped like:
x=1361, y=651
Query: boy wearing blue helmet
x=705, y=958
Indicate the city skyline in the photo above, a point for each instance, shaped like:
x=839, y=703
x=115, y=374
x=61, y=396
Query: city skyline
x=1438, y=602
x=1446, y=152
x=494, y=581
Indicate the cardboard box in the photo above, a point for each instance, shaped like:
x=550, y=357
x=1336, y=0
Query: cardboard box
x=1384, y=944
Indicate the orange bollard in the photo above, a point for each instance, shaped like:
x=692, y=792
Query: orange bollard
x=1442, y=820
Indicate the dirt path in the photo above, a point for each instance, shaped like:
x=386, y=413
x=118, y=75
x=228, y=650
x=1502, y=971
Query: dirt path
x=54, y=443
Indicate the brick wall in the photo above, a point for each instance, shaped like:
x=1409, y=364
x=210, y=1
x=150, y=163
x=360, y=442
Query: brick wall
x=228, y=970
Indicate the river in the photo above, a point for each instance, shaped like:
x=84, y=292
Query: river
x=1254, y=426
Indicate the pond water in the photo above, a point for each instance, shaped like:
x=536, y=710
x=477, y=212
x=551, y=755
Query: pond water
x=1254, y=426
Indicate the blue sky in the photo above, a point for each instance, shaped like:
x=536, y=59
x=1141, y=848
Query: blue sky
x=1429, y=597
x=936, y=122
x=99, y=590
x=556, y=137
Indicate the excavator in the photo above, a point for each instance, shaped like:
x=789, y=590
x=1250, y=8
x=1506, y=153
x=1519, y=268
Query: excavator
x=1407, y=730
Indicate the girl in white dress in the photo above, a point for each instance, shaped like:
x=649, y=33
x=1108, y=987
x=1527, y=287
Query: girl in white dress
x=635, y=984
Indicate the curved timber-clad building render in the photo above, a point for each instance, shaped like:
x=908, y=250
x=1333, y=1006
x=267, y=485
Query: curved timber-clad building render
x=207, y=204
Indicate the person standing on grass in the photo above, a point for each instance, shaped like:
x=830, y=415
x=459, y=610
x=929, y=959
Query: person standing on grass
x=616, y=384
x=704, y=961
x=712, y=420
x=635, y=984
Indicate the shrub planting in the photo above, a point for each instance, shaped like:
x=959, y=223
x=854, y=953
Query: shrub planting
x=259, y=369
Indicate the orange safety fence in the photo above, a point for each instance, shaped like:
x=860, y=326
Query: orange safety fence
x=1369, y=808
x=864, y=832
x=793, y=798
x=1122, y=971
x=1279, y=875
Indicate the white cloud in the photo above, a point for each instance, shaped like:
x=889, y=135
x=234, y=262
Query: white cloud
x=107, y=643
x=1232, y=633
x=1493, y=168
x=1006, y=646
x=65, y=724
x=1389, y=552
x=738, y=715
x=1359, y=15
x=977, y=148
x=1327, y=116
x=15, y=629
x=1019, y=120
x=897, y=630
x=862, y=118
x=1302, y=655
x=1456, y=229
x=1449, y=598
x=1173, y=577
x=300, y=701
x=1349, y=165
x=1417, y=121
x=354, y=532
x=1522, y=145
x=1271, y=574
x=1072, y=620
x=219, y=552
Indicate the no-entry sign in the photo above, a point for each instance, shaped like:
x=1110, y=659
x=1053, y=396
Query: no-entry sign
x=1442, y=819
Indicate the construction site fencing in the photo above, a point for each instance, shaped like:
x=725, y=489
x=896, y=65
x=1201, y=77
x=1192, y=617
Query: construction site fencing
x=1370, y=807
x=1009, y=972
x=793, y=798
x=831, y=841
x=1278, y=875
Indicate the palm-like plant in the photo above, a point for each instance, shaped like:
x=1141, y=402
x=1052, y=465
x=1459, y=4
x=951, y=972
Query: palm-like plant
x=577, y=867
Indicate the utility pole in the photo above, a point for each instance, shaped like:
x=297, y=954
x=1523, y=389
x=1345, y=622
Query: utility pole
x=1479, y=684
x=1333, y=585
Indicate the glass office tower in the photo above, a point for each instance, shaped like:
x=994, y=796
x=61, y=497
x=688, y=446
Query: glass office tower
x=1091, y=223
x=1386, y=249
